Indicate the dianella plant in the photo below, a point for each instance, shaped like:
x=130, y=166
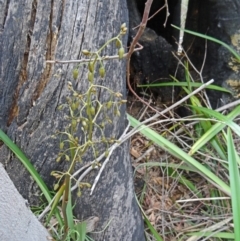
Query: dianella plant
x=86, y=115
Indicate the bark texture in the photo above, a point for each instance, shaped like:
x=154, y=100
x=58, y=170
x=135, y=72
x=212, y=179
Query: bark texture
x=32, y=32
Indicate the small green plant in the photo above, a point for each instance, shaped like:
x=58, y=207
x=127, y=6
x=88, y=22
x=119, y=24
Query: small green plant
x=87, y=115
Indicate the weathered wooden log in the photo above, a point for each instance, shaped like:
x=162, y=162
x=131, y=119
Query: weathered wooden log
x=31, y=90
x=17, y=222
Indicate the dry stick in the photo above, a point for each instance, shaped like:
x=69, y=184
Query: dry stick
x=132, y=47
x=144, y=154
x=88, y=60
x=201, y=70
x=167, y=13
x=227, y=106
x=214, y=227
x=125, y=136
x=159, y=10
x=135, y=130
x=108, y=158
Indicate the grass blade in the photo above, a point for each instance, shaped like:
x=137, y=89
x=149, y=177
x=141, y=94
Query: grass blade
x=180, y=154
x=234, y=183
x=236, y=55
x=185, y=84
x=214, y=130
x=28, y=165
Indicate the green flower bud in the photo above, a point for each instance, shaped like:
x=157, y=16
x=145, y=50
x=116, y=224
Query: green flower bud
x=88, y=185
x=84, y=123
x=58, y=159
x=67, y=158
x=61, y=145
x=73, y=106
x=118, y=43
x=60, y=107
x=74, y=124
x=102, y=71
x=90, y=76
x=75, y=74
x=109, y=104
x=106, y=153
x=118, y=95
x=123, y=26
x=56, y=186
x=116, y=112
x=109, y=121
x=92, y=110
x=124, y=30
x=91, y=66
x=86, y=52
x=79, y=193
x=121, y=52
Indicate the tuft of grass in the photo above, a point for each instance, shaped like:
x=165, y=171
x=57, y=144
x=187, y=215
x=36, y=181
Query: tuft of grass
x=201, y=159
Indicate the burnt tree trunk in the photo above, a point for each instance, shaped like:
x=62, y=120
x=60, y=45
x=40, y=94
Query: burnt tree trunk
x=32, y=32
x=155, y=63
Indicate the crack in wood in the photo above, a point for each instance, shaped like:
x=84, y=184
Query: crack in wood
x=51, y=43
x=23, y=72
x=5, y=13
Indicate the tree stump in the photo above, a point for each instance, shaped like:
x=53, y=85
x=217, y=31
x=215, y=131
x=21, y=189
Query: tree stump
x=219, y=19
x=31, y=90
